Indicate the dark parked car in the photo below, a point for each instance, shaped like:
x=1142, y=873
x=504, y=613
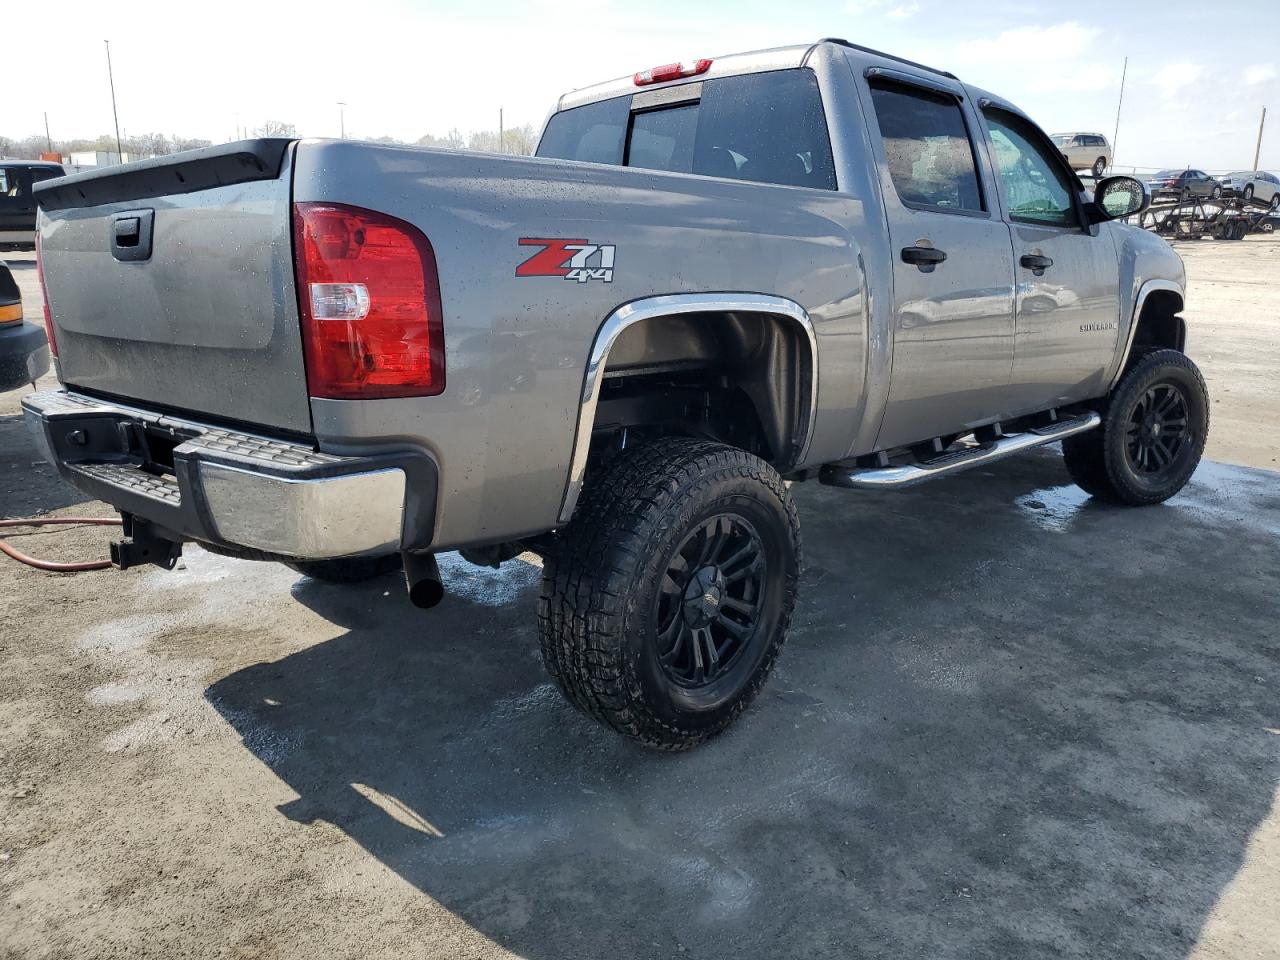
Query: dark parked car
x=24, y=349
x=17, y=204
x=1183, y=184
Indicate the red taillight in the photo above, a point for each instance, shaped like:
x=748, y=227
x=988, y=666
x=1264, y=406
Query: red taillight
x=672, y=71
x=369, y=298
x=44, y=301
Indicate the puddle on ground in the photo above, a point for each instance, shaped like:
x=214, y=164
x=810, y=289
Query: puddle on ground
x=1052, y=508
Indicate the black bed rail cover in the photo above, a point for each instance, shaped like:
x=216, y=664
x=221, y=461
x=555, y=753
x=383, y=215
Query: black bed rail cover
x=187, y=172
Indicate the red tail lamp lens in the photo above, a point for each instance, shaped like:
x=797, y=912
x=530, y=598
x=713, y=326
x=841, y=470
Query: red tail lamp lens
x=369, y=298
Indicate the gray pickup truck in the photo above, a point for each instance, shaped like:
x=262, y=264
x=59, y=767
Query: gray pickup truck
x=715, y=278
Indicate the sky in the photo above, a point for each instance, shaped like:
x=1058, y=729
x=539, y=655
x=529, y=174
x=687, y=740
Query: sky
x=1198, y=75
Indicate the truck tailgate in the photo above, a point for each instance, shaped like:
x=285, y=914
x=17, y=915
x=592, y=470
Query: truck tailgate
x=206, y=319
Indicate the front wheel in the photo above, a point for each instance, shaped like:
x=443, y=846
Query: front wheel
x=665, y=603
x=1248, y=192
x=1154, y=426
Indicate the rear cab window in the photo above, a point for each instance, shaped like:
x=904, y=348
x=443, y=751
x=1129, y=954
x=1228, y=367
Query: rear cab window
x=15, y=186
x=762, y=127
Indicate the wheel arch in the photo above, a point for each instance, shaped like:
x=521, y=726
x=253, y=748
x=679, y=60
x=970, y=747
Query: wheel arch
x=696, y=312
x=1154, y=323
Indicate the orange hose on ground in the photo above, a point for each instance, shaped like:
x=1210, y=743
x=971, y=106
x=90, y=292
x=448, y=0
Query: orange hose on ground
x=53, y=565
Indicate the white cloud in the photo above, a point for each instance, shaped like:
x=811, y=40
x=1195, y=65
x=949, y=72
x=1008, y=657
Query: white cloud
x=1259, y=73
x=890, y=9
x=1172, y=77
x=1058, y=42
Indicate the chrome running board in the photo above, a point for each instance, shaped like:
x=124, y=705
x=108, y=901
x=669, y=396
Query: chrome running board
x=883, y=478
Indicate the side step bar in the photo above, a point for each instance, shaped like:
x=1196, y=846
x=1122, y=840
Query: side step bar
x=895, y=477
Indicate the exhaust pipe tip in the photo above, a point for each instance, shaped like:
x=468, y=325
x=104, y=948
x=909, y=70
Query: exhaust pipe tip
x=422, y=577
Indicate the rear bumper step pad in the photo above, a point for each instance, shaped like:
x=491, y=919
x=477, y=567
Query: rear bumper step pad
x=235, y=489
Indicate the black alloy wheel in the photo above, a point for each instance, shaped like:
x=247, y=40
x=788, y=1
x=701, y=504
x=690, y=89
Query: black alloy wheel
x=1154, y=426
x=1157, y=433
x=708, y=606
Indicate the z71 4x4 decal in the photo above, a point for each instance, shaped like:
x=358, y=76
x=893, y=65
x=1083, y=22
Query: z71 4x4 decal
x=578, y=260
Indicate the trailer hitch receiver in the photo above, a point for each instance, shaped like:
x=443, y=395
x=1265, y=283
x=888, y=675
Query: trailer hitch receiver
x=141, y=544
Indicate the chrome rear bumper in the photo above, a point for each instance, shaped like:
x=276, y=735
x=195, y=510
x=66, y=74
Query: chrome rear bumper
x=229, y=488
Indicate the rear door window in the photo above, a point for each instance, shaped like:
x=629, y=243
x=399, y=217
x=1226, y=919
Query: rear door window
x=764, y=127
x=927, y=145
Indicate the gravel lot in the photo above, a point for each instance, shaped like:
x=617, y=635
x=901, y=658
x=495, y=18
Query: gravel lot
x=1011, y=722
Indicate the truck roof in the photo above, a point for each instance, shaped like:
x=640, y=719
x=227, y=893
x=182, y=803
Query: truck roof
x=753, y=61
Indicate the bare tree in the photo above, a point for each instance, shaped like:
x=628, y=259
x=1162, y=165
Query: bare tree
x=276, y=128
x=453, y=140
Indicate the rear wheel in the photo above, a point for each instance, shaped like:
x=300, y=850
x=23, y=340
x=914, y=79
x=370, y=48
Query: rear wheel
x=1154, y=426
x=346, y=569
x=1275, y=202
x=1217, y=193
x=666, y=601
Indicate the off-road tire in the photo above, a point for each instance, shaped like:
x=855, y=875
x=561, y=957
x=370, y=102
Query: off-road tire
x=1099, y=461
x=603, y=586
x=346, y=569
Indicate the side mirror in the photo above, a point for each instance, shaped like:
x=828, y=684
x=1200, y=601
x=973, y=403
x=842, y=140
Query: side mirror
x=1117, y=197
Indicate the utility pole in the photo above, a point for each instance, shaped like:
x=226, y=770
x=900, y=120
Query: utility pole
x=1116, y=136
x=502, y=140
x=47, y=138
x=114, y=115
x=1257, y=151
x=342, y=120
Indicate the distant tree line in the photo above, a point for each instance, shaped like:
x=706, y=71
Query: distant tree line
x=520, y=141
x=142, y=145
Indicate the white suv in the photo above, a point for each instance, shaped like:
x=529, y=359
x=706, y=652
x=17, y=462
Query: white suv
x=1085, y=151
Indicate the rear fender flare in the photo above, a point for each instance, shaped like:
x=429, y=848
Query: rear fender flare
x=649, y=308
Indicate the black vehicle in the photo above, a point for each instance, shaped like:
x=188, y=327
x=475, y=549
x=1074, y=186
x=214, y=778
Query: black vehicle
x=17, y=205
x=24, y=349
x=1183, y=184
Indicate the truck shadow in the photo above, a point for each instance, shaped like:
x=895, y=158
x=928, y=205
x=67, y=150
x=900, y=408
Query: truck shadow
x=1010, y=722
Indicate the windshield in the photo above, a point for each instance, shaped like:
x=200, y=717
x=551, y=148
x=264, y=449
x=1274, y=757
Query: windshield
x=1168, y=174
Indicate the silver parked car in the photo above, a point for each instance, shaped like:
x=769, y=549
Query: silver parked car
x=1253, y=185
x=1085, y=151
x=716, y=277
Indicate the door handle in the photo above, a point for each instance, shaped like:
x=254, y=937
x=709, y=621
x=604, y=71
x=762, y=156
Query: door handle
x=926, y=258
x=1036, y=263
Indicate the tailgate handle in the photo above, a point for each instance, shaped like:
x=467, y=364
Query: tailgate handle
x=131, y=234
x=127, y=231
